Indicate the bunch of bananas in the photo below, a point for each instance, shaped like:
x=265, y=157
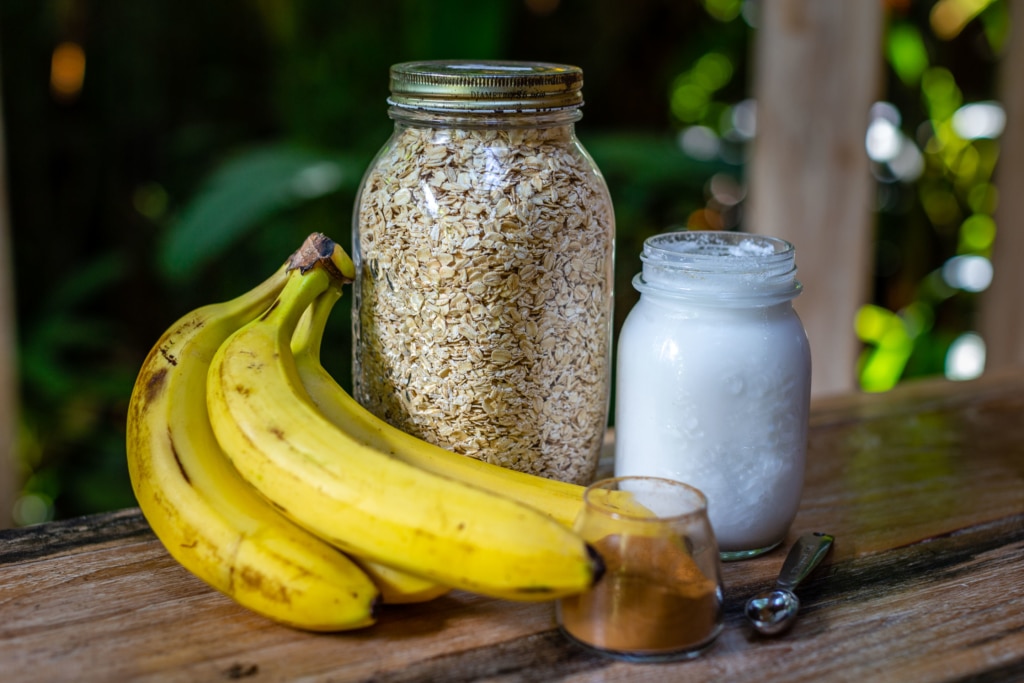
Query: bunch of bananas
x=265, y=479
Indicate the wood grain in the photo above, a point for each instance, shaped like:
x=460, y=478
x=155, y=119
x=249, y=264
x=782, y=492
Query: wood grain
x=923, y=488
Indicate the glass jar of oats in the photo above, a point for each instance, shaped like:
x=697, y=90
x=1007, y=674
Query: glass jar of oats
x=483, y=243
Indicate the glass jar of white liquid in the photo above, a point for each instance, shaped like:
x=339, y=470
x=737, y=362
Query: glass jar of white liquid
x=713, y=383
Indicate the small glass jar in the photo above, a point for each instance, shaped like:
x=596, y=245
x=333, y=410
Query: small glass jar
x=483, y=243
x=713, y=383
x=660, y=597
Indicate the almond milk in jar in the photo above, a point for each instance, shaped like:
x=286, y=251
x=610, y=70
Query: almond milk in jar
x=713, y=383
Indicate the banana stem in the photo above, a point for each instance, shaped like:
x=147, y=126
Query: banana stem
x=310, y=332
x=321, y=250
x=302, y=289
x=319, y=266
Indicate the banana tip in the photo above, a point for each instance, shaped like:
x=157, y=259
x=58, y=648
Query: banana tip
x=597, y=565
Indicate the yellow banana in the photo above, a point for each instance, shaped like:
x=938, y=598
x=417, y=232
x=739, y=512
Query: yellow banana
x=559, y=500
x=363, y=500
x=396, y=587
x=400, y=588
x=206, y=515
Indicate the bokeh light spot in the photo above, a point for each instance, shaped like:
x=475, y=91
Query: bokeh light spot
x=724, y=10
x=713, y=71
x=979, y=120
x=965, y=358
x=67, y=71
x=907, y=52
x=977, y=232
x=882, y=140
x=32, y=508
x=699, y=142
x=968, y=272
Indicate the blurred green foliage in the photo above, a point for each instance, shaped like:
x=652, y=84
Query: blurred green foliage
x=942, y=210
x=207, y=139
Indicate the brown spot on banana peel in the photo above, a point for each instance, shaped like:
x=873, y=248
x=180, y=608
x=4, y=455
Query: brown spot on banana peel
x=155, y=384
x=255, y=580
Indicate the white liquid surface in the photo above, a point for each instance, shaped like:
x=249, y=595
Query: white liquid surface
x=717, y=397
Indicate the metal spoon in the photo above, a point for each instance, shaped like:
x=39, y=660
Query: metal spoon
x=773, y=612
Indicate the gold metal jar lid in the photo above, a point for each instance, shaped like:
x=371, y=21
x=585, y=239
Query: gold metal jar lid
x=485, y=86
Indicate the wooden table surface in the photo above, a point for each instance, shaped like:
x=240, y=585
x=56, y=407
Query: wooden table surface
x=923, y=488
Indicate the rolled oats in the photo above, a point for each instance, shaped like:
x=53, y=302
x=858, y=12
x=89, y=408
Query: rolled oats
x=483, y=296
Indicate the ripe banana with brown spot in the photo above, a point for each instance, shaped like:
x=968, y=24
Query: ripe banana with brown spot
x=363, y=500
x=209, y=519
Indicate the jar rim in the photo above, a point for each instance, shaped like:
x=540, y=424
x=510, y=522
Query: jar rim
x=485, y=86
x=687, y=500
x=717, y=250
x=731, y=266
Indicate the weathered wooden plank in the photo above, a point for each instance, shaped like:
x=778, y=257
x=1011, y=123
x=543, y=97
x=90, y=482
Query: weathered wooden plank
x=71, y=536
x=817, y=70
x=922, y=488
x=115, y=619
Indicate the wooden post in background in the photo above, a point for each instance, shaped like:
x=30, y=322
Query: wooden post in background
x=1001, y=319
x=8, y=372
x=817, y=72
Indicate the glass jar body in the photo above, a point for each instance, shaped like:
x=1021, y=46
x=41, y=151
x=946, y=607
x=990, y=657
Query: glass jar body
x=483, y=294
x=714, y=392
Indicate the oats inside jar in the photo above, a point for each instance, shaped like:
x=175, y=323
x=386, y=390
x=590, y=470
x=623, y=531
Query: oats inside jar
x=483, y=298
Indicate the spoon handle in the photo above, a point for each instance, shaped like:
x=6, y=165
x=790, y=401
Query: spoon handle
x=805, y=555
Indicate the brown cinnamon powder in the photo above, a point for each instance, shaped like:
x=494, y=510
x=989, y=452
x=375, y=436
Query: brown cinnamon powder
x=652, y=599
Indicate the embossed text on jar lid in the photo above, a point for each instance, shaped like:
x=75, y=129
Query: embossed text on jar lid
x=485, y=86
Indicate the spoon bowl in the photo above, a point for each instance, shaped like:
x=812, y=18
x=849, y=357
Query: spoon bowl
x=774, y=611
